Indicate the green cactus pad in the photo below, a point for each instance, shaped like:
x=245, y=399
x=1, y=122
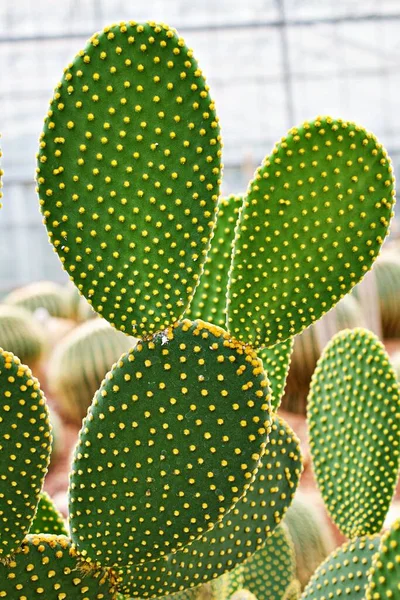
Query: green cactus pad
x=384, y=577
x=238, y=535
x=312, y=224
x=172, y=440
x=48, y=519
x=41, y=295
x=293, y=591
x=21, y=334
x=354, y=417
x=344, y=574
x=80, y=362
x=209, y=301
x=129, y=172
x=47, y=567
x=25, y=447
x=276, y=361
x=268, y=573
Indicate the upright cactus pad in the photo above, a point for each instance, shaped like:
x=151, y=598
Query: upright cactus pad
x=276, y=361
x=25, y=446
x=41, y=295
x=312, y=224
x=172, y=440
x=268, y=573
x=129, y=173
x=21, y=334
x=384, y=577
x=240, y=533
x=47, y=567
x=209, y=302
x=344, y=574
x=48, y=519
x=354, y=420
x=80, y=362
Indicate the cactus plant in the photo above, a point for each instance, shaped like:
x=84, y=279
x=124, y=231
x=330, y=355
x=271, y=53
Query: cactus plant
x=344, y=572
x=25, y=444
x=1, y=179
x=80, y=362
x=21, y=334
x=47, y=518
x=188, y=383
x=182, y=472
x=354, y=409
x=293, y=591
x=47, y=566
x=312, y=224
x=240, y=533
x=41, y=295
x=133, y=220
x=384, y=576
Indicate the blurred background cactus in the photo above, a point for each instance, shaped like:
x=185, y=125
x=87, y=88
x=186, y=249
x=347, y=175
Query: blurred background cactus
x=183, y=478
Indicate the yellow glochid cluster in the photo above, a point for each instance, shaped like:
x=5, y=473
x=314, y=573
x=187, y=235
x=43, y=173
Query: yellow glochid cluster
x=128, y=174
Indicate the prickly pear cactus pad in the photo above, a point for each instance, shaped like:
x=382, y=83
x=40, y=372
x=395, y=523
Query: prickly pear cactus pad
x=312, y=224
x=225, y=586
x=354, y=418
x=25, y=447
x=172, y=440
x=276, y=361
x=48, y=519
x=209, y=301
x=47, y=567
x=270, y=570
x=240, y=533
x=384, y=577
x=345, y=572
x=128, y=174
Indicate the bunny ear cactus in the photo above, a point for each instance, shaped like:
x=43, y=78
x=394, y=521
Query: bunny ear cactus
x=209, y=302
x=47, y=566
x=384, y=576
x=179, y=395
x=354, y=420
x=269, y=572
x=47, y=518
x=344, y=572
x=240, y=533
x=128, y=174
x=312, y=224
x=25, y=445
